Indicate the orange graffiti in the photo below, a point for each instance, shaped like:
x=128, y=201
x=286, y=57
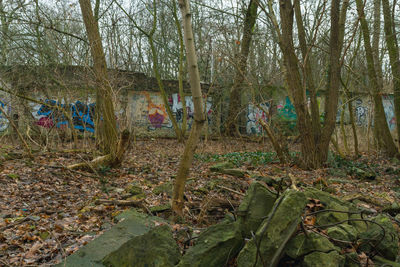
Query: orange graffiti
x=156, y=113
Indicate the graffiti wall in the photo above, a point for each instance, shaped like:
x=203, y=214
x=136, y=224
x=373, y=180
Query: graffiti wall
x=362, y=107
x=177, y=108
x=254, y=114
x=53, y=115
x=3, y=119
x=285, y=112
x=148, y=111
x=388, y=104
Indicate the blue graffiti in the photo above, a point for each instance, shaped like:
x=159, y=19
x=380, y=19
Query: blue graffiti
x=53, y=115
x=3, y=119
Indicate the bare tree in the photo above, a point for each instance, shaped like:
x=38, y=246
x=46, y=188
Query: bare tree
x=199, y=116
x=241, y=61
x=106, y=130
x=381, y=129
x=314, y=142
x=393, y=50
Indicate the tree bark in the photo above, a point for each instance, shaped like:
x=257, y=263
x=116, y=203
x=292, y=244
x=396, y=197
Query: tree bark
x=181, y=68
x=314, y=145
x=384, y=137
x=236, y=90
x=393, y=49
x=199, y=116
x=333, y=83
x=106, y=130
x=310, y=85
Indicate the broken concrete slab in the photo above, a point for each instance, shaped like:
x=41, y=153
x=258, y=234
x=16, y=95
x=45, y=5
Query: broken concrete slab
x=254, y=208
x=351, y=260
x=275, y=231
x=131, y=223
x=343, y=232
x=317, y=259
x=385, y=241
x=222, y=165
x=332, y=203
x=155, y=248
x=363, y=174
x=325, y=197
x=301, y=245
x=215, y=246
x=228, y=168
x=234, y=172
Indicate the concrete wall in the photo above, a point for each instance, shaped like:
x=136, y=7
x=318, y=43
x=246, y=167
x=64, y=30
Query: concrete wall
x=362, y=110
x=138, y=103
x=147, y=112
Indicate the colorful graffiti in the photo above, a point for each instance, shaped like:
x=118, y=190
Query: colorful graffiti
x=388, y=105
x=286, y=110
x=177, y=108
x=52, y=115
x=253, y=115
x=3, y=119
x=156, y=112
x=286, y=113
x=148, y=110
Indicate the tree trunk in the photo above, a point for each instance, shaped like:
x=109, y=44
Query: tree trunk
x=199, y=116
x=293, y=79
x=109, y=159
x=333, y=83
x=106, y=130
x=342, y=126
x=383, y=133
x=393, y=49
x=5, y=24
x=236, y=91
x=181, y=68
x=314, y=145
x=376, y=36
x=310, y=85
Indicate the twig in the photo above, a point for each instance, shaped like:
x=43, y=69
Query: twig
x=146, y=208
x=231, y=190
x=21, y=138
x=138, y=203
x=293, y=180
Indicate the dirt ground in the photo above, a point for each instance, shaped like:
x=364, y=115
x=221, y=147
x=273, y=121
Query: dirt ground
x=47, y=212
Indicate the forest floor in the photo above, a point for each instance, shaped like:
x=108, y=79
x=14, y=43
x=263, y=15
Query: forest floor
x=48, y=212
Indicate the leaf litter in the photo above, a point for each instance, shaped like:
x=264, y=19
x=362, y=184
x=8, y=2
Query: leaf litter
x=48, y=212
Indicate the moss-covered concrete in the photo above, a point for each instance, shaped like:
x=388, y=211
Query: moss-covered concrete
x=385, y=241
x=301, y=245
x=214, y=247
x=155, y=248
x=318, y=259
x=275, y=231
x=131, y=224
x=254, y=208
